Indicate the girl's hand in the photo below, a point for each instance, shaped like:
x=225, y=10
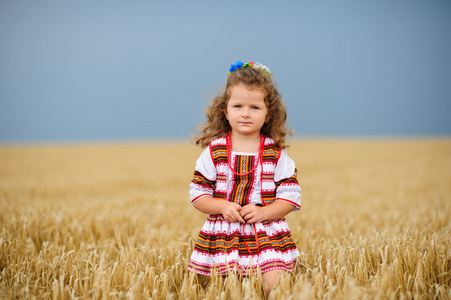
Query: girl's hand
x=252, y=213
x=230, y=212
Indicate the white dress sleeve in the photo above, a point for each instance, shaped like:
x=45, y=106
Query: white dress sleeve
x=204, y=178
x=287, y=185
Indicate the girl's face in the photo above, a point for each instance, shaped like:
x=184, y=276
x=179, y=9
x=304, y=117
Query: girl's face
x=246, y=110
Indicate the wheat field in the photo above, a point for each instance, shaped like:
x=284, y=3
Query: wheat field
x=114, y=221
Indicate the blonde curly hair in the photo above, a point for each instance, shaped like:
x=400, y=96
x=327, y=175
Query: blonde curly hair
x=218, y=126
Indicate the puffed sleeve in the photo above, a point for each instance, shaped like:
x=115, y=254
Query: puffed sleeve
x=203, y=183
x=285, y=178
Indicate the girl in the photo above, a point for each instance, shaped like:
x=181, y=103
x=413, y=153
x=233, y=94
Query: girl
x=245, y=181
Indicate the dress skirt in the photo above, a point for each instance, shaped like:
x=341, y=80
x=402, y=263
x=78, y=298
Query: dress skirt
x=245, y=248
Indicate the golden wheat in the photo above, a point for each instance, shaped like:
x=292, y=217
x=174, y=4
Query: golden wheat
x=115, y=221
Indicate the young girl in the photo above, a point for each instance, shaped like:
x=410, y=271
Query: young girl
x=245, y=181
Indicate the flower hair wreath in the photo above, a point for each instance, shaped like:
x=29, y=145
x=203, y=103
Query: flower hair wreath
x=240, y=65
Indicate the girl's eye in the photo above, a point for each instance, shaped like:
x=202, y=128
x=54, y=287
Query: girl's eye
x=237, y=106
x=255, y=107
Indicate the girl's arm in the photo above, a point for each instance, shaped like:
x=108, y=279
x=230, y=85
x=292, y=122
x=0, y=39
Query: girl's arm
x=212, y=206
x=278, y=209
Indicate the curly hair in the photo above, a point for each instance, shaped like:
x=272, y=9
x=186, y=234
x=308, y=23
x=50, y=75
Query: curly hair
x=218, y=126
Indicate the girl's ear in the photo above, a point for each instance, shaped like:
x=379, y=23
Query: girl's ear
x=226, y=114
x=268, y=117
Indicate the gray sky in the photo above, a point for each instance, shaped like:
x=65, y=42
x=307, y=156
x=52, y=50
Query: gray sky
x=119, y=70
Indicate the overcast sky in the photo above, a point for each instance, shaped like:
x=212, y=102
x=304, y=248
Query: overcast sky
x=127, y=70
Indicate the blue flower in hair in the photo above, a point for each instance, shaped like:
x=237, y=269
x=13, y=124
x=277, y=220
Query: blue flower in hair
x=236, y=66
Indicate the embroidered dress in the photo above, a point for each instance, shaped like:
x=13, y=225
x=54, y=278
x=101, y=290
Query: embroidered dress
x=225, y=246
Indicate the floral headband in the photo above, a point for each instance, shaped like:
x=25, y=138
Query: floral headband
x=240, y=65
